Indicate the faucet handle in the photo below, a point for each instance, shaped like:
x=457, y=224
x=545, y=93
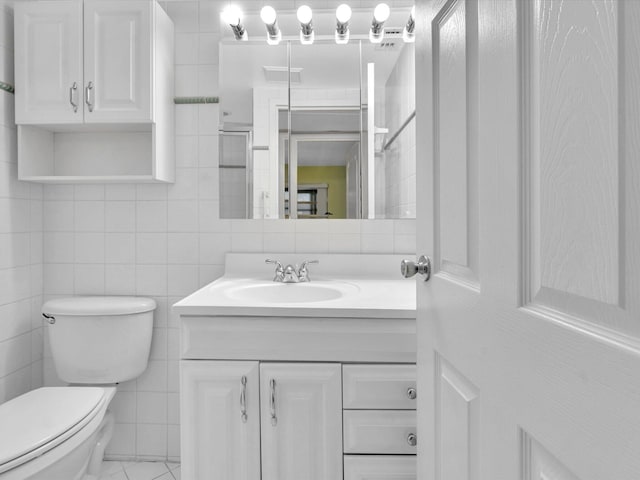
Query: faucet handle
x=303, y=272
x=275, y=262
x=279, y=269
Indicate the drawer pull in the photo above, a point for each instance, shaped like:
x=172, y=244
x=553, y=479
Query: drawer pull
x=412, y=439
x=412, y=393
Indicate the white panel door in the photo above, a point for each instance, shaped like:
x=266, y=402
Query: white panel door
x=529, y=330
x=219, y=418
x=118, y=60
x=48, y=62
x=301, y=418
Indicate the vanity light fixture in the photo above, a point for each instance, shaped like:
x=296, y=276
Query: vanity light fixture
x=343, y=15
x=380, y=15
x=233, y=16
x=306, y=28
x=408, y=34
x=268, y=16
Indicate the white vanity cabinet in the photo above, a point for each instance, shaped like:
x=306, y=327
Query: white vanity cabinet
x=318, y=407
x=94, y=91
x=299, y=425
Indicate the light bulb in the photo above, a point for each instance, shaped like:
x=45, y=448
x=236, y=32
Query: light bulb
x=304, y=14
x=343, y=13
x=381, y=12
x=408, y=32
x=268, y=15
x=232, y=15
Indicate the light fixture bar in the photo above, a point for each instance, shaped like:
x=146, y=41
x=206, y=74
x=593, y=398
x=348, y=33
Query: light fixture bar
x=380, y=15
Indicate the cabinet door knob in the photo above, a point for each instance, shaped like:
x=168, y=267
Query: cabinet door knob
x=412, y=439
x=412, y=393
x=243, y=399
x=272, y=402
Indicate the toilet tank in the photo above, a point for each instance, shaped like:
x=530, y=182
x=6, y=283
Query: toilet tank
x=97, y=340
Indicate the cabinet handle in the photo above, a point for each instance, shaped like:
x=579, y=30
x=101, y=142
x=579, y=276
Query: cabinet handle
x=73, y=91
x=412, y=439
x=87, y=96
x=243, y=399
x=412, y=393
x=272, y=402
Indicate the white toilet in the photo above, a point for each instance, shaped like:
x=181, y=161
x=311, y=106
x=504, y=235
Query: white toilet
x=60, y=433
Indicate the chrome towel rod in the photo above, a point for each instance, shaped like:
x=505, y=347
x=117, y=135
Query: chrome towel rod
x=195, y=100
x=399, y=131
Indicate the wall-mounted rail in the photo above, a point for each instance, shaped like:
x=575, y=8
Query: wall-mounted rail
x=399, y=131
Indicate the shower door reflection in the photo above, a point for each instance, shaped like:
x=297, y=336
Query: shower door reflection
x=323, y=170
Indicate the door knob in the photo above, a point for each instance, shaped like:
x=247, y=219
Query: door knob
x=423, y=267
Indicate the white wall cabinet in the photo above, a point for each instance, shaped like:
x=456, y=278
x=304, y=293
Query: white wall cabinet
x=94, y=91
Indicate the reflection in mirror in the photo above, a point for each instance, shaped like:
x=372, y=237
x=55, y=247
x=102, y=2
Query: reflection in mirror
x=332, y=123
x=325, y=154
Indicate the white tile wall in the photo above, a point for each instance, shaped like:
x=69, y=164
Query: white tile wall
x=154, y=240
x=21, y=251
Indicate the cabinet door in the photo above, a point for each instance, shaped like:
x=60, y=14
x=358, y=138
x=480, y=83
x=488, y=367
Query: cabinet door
x=301, y=412
x=217, y=443
x=48, y=62
x=117, y=60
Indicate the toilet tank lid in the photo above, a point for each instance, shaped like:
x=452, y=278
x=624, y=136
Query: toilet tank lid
x=107, y=305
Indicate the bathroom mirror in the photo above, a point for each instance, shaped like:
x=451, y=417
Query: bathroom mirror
x=333, y=123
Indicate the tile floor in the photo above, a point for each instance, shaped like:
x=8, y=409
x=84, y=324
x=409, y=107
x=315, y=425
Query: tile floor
x=139, y=471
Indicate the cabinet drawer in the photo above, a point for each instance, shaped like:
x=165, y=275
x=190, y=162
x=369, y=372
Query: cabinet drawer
x=379, y=386
x=379, y=431
x=380, y=467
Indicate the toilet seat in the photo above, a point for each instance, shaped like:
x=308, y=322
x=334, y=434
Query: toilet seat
x=41, y=419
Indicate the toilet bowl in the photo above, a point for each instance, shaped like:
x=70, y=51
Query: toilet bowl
x=55, y=433
x=60, y=433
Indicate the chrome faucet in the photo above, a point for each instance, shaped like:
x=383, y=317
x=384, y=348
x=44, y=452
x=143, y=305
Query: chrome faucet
x=291, y=273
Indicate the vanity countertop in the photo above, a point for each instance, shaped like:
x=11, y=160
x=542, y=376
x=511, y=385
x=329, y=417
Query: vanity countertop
x=247, y=289
x=363, y=297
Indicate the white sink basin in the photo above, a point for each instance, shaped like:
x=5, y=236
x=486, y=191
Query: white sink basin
x=276, y=293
